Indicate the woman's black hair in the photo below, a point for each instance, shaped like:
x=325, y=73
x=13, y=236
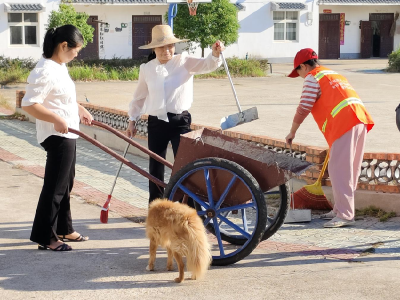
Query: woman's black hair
x=311, y=62
x=55, y=36
x=151, y=56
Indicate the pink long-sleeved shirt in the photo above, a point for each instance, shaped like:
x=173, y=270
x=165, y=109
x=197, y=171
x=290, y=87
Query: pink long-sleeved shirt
x=311, y=93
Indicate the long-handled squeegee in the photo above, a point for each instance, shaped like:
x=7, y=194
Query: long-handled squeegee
x=244, y=116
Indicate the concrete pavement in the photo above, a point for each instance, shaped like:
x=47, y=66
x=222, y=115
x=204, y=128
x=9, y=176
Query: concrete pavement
x=276, y=98
x=301, y=261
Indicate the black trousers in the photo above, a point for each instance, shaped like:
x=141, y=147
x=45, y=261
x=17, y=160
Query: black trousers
x=160, y=133
x=53, y=214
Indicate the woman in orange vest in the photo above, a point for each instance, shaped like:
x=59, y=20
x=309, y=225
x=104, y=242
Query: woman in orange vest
x=344, y=122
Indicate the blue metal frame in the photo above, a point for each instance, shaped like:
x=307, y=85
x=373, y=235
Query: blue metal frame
x=220, y=213
x=172, y=11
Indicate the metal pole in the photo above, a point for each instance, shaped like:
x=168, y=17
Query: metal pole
x=172, y=11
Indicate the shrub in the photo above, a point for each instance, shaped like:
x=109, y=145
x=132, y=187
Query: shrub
x=23, y=63
x=240, y=68
x=114, y=62
x=17, y=70
x=394, y=61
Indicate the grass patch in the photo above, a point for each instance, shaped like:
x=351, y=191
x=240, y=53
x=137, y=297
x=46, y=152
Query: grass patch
x=240, y=68
x=103, y=73
x=373, y=211
x=17, y=70
x=14, y=116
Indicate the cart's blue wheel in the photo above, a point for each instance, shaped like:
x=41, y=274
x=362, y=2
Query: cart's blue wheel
x=230, y=202
x=278, y=203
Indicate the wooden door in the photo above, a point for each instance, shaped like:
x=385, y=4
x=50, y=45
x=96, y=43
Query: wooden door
x=386, y=46
x=366, y=39
x=91, y=51
x=329, y=36
x=141, y=34
x=322, y=48
x=385, y=21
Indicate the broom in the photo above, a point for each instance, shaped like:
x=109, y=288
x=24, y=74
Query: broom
x=106, y=206
x=312, y=196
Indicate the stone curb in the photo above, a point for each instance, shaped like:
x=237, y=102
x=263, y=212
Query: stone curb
x=380, y=171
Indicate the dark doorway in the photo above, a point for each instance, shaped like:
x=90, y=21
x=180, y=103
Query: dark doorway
x=329, y=36
x=141, y=34
x=382, y=42
x=91, y=51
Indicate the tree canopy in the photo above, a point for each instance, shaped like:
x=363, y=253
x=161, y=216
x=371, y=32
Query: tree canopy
x=214, y=21
x=66, y=14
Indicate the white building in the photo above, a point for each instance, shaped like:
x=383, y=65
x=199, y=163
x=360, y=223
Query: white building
x=275, y=30
x=366, y=28
x=272, y=30
x=22, y=27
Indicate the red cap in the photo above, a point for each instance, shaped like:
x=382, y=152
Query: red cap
x=302, y=56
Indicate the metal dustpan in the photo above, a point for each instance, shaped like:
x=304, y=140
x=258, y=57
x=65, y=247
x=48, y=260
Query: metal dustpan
x=244, y=116
x=296, y=215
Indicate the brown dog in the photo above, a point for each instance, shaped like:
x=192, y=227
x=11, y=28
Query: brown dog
x=179, y=229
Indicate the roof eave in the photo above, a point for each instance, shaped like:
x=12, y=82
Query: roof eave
x=8, y=8
x=352, y=4
x=120, y=4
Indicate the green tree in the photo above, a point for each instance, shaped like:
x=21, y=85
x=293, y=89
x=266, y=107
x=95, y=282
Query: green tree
x=214, y=21
x=66, y=14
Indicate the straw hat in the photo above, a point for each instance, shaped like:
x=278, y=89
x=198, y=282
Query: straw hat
x=161, y=35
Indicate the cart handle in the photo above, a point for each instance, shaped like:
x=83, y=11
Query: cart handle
x=133, y=143
x=117, y=156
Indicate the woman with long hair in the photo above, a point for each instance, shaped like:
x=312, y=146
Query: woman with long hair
x=51, y=98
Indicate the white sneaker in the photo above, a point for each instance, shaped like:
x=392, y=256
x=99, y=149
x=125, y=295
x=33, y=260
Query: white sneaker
x=328, y=216
x=338, y=222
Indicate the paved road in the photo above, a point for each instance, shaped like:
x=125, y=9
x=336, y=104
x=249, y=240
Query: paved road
x=276, y=98
x=301, y=261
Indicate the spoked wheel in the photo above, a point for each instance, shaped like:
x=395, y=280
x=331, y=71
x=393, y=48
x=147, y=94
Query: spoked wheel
x=230, y=202
x=277, y=202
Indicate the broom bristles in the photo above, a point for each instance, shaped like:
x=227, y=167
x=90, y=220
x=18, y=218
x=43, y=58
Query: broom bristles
x=303, y=199
x=104, y=210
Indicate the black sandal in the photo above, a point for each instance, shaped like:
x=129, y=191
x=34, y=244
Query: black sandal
x=80, y=238
x=62, y=247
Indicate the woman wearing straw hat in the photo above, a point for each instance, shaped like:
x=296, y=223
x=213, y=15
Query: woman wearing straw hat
x=344, y=122
x=165, y=93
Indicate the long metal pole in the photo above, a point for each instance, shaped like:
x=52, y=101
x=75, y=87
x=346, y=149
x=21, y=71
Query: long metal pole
x=172, y=11
x=230, y=80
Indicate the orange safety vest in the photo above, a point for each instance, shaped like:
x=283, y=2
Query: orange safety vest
x=339, y=107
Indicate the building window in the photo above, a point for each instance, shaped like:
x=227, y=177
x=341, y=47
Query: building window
x=23, y=28
x=285, y=25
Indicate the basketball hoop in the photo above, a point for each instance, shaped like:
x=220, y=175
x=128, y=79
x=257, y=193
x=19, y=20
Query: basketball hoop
x=192, y=5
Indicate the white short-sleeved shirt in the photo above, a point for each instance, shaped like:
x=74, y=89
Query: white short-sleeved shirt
x=168, y=88
x=50, y=85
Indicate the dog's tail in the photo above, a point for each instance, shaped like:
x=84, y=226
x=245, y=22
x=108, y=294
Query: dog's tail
x=199, y=254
